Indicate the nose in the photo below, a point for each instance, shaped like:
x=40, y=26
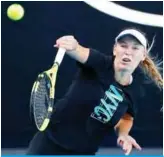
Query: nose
x=128, y=51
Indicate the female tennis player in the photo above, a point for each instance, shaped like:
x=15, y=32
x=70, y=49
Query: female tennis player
x=102, y=97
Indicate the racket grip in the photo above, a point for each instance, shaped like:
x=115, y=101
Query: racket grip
x=59, y=56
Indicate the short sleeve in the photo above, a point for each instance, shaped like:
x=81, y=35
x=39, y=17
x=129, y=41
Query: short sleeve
x=98, y=60
x=132, y=112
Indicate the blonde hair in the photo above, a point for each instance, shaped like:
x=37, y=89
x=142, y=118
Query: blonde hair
x=152, y=67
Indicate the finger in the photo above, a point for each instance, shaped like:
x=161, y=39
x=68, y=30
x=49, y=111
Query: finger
x=66, y=46
x=69, y=37
x=136, y=145
x=66, y=38
x=61, y=42
x=55, y=45
x=128, y=150
x=125, y=148
x=125, y=145
x=62, y=38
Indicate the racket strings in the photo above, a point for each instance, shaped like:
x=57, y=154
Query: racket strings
x=41, y=102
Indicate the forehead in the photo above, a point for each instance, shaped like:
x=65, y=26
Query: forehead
x=129, y=39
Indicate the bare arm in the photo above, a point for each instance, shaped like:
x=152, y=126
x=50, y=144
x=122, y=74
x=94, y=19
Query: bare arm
x=124, y=140
x=124, y=126
x=80, y=54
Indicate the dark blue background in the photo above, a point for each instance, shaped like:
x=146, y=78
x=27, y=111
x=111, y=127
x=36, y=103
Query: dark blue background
x=27, y=49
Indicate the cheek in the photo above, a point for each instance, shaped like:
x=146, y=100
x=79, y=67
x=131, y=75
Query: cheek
x=137, y=59
x=119, y=52
x=139, y=55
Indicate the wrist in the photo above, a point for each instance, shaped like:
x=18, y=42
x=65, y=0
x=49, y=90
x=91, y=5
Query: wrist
x=80, y=48
x=121, y=132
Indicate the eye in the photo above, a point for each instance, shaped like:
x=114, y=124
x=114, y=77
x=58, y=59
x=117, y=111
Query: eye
x=123, y=45
x=135, y=48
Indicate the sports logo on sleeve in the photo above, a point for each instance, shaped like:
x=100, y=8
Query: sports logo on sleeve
x=108, y=105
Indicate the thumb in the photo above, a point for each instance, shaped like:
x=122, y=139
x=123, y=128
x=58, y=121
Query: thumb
x=55, y=45
x=120, y=141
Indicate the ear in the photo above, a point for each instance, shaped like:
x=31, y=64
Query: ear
x=144, y=55
x=114, y=50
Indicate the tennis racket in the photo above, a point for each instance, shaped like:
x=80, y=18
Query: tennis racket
x=43, y=93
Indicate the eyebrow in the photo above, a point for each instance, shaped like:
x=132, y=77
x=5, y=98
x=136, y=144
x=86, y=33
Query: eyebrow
x=135, y=43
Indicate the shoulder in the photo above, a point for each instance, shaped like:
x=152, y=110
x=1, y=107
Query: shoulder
x=98, y=59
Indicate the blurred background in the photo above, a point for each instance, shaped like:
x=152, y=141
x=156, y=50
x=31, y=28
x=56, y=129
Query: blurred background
x=27, y=49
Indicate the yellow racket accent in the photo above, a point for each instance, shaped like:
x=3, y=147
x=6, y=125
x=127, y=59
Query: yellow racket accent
x=44, y=125
x=50, y=109
x=36, y=86
x=52, y=73
x=33, y=87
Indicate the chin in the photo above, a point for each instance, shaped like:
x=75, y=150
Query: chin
x=125, y=68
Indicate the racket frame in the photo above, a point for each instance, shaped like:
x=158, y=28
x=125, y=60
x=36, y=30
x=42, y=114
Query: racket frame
x=51, y=75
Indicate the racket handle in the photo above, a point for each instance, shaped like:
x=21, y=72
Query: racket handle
x=59, y=56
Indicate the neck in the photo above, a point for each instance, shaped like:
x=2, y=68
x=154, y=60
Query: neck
x=123, y=77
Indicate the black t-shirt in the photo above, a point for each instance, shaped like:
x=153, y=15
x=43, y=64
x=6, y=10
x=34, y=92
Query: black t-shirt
x=94, y=103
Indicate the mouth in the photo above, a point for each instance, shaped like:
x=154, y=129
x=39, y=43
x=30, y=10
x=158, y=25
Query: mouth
x=126, y=60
